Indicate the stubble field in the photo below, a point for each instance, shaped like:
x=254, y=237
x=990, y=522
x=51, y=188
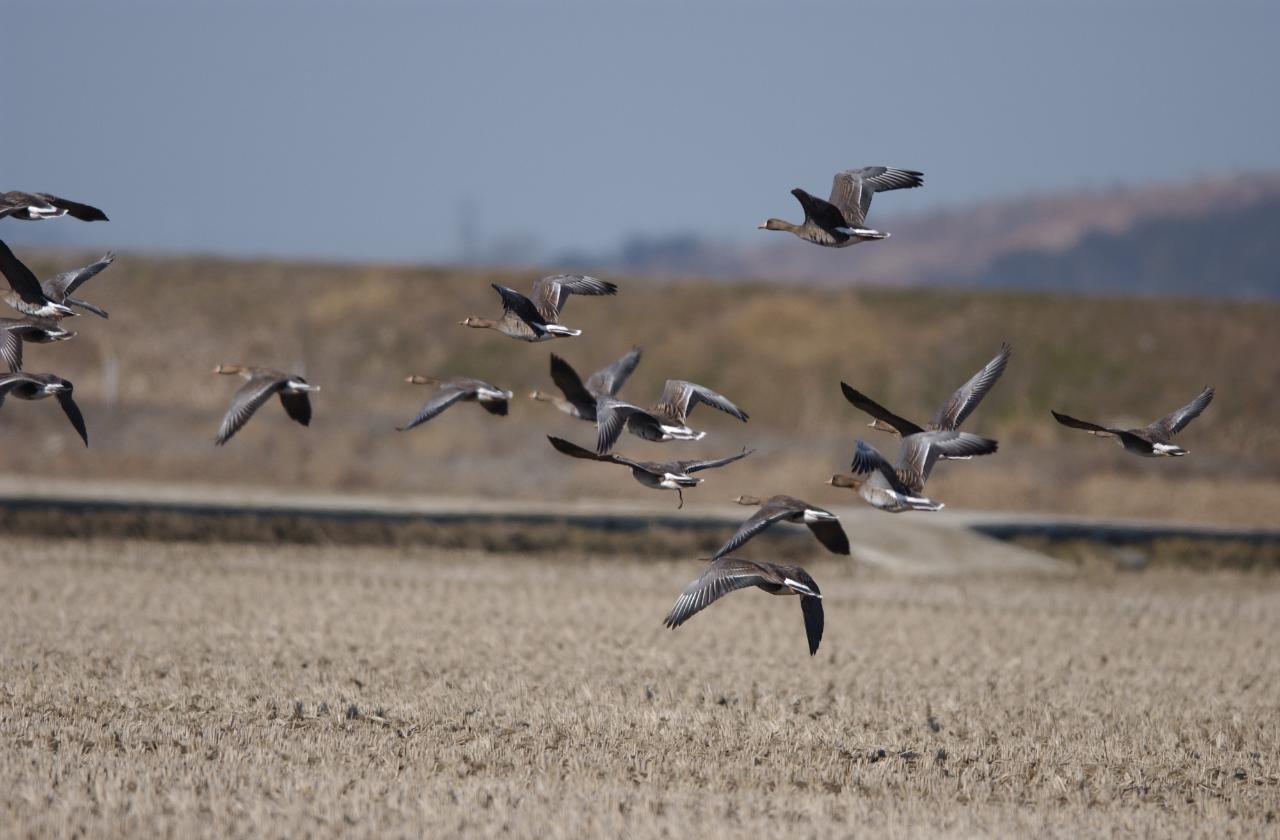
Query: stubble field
x=153, y=689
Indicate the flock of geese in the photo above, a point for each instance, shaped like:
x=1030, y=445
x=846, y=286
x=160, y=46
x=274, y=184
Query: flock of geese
x=894, y=486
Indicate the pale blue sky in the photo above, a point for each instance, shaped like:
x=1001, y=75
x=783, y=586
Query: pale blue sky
x=358, y=130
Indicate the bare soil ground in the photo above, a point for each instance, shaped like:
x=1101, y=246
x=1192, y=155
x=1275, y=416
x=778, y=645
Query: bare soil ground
x=152, y=689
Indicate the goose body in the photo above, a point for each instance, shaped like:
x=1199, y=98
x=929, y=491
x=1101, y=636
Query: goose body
x=261, y=384
x=824, y=524
x=897, y=488
x=28, y=295
x=14, y=332
x=1154, y=440
x=454, y=390
x=670, y=475
x=841, y=220
x=537, y=318
x=665, y=420
x=38, y=386
x=728, y=574
x=580, y=397
x=30, y=207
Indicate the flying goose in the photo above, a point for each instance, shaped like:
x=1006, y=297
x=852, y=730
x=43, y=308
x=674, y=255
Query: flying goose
x=457, y=389
x=672, y=475
x=900, y=487
x=30, y=207
x=949, y=417
x=580, y=398
x=59, y=287
x=15, y=331
x=1152, y=441
x=37, y=386
x=666, y=420
x=725, y=574
x=537, y=319
x=261, y=384
x=28, y=296
x=823, y=523
x=841, y=220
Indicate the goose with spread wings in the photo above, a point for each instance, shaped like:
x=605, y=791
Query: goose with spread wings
x=457, y=389
x=30, y=207
x=580, y=397
x=262, y=384
x=28, y=295
x=953, y=412
x=727, y=574
x=900, y=487
x=824, y=524
x=841, y=220
x=14, y=332
x=671, y=475
x=59, y=287
x=38, y=386
x=537, y=318
x=665, y=420
x=1151, y=441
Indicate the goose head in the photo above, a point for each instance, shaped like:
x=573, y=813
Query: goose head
x=853, y=482
x=541, y=397
x=880, y=425
x=477, y=323
x=229, y=370
x=415, y=379
x=748, y=501
x=776, y=224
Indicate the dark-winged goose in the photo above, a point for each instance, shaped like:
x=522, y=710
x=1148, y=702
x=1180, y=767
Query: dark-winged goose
x=580, y=398
x=538, y=318
x=28, y=295
x=15, y=331
x=824, y=524
x=37, y=386
x=671, y=475
x=261, y=385
x=898, y=488
x=59, y=287
x=726, y=574
x=665, y=420
x=457, y=389
x=31, y=207
x=1154, y=440
x=841, y=220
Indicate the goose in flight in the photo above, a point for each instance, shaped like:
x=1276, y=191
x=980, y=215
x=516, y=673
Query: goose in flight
x=457, y=389
x=580, y=398
x=30, y=207
x=824, y=524
x=538, y=318
x=59, y=287
x=1151, y=441
x=841, y=220
x=671, y=475
x=261, y=385
x=28, y=296
x=726, y=574
x=37, y=386
x=665, y=420
x=900, y=487
x=15, y=331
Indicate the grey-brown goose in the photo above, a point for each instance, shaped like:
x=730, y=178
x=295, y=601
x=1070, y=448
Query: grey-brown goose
x=665, y=420
x=28, y=295
x=15, y=331
x=538, y=318
x=1151, y=441
x=898, y=488
x=31, y=207
x=841, y=220
x=580, y=398
x=59, y=287
x=824, y=524
x=952, y=413
x=37, y=386
x=457, y=389
x=671, y=475
x=726, y=574
x=261, y=385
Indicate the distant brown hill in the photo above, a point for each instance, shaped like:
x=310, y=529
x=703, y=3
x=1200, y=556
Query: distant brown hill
x=1214, y=235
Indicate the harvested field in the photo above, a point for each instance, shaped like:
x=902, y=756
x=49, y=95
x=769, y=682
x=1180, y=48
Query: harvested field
x=175, y=688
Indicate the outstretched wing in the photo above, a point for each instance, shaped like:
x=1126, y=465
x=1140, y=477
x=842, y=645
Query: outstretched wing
x=611, y=418
x=920, y=452
x=721, y=577
x=813, y=620
x=445, y=396
x=769, y=513
x=851, y=190
x=868, y=459
x=75, y=209
x=831, y=534
x=1176, y=421
x=550, y=293
x=566, y=379
x=607, y=381
x=72, y=411
x=864, y=403
x=297, y=406
x=1092, y=428
x=248, y=399
x=697, y=466
x=11, y=349
x=824, y=214
x=61, y=285
x=681, y=397
x=967, y=396
x=20, y=278
x=574, y=451
x=520, y=306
